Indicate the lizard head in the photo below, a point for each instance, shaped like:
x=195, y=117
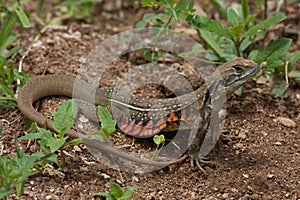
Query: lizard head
x=235, y=72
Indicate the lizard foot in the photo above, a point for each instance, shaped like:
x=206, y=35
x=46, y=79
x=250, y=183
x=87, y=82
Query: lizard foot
x=201, y=161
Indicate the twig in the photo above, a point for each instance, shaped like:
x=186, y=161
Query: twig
x=286, y=78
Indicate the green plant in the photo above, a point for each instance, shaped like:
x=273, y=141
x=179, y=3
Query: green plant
x=49, y=143
x=116, y=192
x=8, y=77
x=15, y=169
x=10, y=12
x=159, y=140
x=224, y=43
x=108, y=124
x=77, y=9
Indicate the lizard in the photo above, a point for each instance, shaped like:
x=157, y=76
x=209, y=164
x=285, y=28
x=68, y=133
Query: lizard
x=166, y=114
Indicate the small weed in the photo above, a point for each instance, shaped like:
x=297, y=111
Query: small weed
x=116, y=192
x=49, y=143
x=108, y=124
x=159, y=140
x=10, y=12
x=15, y=169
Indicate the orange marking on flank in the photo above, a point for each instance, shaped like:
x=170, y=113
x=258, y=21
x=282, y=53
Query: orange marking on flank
x=172, y=118
x=183, y=115
x=163, y=126
x=160, y=128
x=149, y=124
x=129, y=127
x=190, y=118
x=147, y=131
x=136, y=129
x=123, y=123
x=159, y=122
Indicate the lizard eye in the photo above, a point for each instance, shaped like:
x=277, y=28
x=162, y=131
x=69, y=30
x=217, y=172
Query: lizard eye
x=238, y=69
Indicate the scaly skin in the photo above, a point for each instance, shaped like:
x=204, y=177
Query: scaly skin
x=164, y=112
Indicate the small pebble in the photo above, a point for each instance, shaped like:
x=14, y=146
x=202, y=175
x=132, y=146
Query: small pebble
x=238, y=146
x=264, y=133
x=82, y=118
x=246, y=175
x=119, y=181
x=77, y=148
x=135, y=179
x=234, y=190
x=225, y=195
x=278, y=143
x=270, y=176
x=105, y=176
x=83, y=169
x=242, y=135
x=48, y=197
x=287, y=122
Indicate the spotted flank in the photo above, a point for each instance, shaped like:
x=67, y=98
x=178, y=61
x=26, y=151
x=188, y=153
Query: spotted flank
x=147, y=127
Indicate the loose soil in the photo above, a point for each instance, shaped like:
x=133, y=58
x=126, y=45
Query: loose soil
x=258, y=157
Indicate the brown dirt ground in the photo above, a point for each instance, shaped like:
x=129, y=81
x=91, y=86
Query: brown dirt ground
x=258, y=157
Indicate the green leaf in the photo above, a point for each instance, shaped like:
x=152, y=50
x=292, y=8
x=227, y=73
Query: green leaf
x=84, y=11
x=233, y=18
x=239, y=91
x=152, y=3
x=11, y=39
x=6, y=90
x=40, y=6
x=275, y=64
x=211, y=41
x=115, y=190
x=220, y=6
x=22, y=17
x=182, y=5
x=279, y=90
x=6, y=31
x=13, y=51
x=56, y=143
x=108, y=124
x=295, y=57
x=42, y=134
x=31, y=127
x=294, y=74
x=245, y=8
x=159, y=139
x=237, y=31
x=72, y=3
x=275, y=49
x=141, y=24
x=64, y=117
x=204, y=23
x=108, y=196
x=265, y=24
x=129, y=192
x=10, y=75
x=75, y=141
x=253, y=55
